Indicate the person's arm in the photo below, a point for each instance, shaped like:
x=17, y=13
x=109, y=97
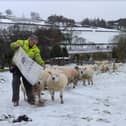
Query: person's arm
x=37, y=56
x=16, y=45
x=38, y=59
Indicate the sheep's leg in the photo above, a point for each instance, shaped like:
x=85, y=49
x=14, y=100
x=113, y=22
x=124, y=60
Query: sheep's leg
x=41, y=102
x=84, y=83
x=61, y=96
x=88, y=82
x=74, y=83
x=45, y=87
x=39, y=97
x=52, y=95
x=36, y=99
x=91, y=81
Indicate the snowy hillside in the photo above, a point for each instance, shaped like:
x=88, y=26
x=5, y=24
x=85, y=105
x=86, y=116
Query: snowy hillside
x=103, y=104
x=99, y=37
x=91, y=34
x=94, y=35
x=89, y=29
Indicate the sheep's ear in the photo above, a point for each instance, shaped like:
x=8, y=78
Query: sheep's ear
x=76, y=67
x=85, y=68
x=49, y=72
x=39, y=82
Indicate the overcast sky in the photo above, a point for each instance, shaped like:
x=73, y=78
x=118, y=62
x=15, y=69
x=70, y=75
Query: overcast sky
x=78, y=10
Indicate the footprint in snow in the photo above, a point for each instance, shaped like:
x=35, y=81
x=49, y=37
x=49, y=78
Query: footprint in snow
x=106, y=112
x=103, y=120
x=87, y=118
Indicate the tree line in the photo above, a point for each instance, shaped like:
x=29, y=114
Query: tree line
x=59, y=19
x=119, y=51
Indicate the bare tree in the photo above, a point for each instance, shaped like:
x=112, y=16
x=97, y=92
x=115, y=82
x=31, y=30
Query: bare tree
x=35, y=16
x=8, y=12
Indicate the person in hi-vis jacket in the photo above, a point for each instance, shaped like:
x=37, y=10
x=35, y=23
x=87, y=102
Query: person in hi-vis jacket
x=31, y=49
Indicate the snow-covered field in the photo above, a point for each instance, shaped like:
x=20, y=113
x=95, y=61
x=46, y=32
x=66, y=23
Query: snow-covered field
x=103, y=104
x=99, y=37
x=96, y=35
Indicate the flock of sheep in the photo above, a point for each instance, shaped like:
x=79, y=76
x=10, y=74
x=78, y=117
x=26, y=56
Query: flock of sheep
x=56, y=78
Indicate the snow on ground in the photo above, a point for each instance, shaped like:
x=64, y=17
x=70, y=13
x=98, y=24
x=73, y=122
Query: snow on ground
x=103, y=104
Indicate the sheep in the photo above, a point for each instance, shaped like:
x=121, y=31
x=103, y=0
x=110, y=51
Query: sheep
x=41, y=85
x=94, y=67
x=119, y=64
x=71, y=73
x=115, y=66
x=44, y=75
x=105, y=62
x=86, y=73
x=104, y=68
x=57, y=81
x=36, y=92
x=98, y=62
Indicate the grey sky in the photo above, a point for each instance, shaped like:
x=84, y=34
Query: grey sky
x=77, y=10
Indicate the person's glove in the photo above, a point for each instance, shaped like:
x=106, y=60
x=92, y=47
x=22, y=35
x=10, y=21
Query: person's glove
x=17, y=46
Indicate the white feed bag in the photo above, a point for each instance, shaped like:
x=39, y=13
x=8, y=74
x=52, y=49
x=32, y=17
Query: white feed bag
x=29, y=68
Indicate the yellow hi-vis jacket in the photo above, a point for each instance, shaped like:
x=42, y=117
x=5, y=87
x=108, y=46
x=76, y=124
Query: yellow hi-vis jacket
x=33, y=52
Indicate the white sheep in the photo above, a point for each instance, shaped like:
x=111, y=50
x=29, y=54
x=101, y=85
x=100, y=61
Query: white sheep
x=36, y=92
x=98, y=62
x=104, y=67
x=41, y=85
x=86, y=73
x=115, y=66
x=44, y=76
x=71, y=73
x=57, y=81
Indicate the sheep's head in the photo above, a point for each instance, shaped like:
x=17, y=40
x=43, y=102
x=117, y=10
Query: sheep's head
x=76, y=67
x=36, y=88
x=54, y=76
x=82, y=72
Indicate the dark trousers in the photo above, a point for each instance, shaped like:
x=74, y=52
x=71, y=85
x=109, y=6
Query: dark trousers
x=16, y=85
